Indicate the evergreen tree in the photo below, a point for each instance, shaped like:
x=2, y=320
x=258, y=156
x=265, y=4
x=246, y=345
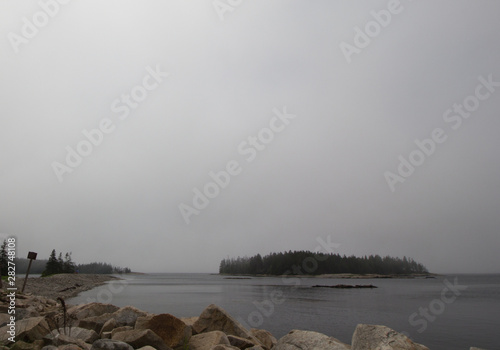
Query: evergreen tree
x=68, y=265
x=4, y=261
x=52, y=267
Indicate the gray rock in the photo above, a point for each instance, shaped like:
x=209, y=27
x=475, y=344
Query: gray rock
x=141, y=337
x=126, y=316
x=224, y=347
x=108, y=326
x=28, y=330
x=266, y=338
x=86, y=335
x=308, y=340
x=368, y=337
x=108, y=344
x=91, y=310
x=240, y=343
x=206, y=341
x=120, y=329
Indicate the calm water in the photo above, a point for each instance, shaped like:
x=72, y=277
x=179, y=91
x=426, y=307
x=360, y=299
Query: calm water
x=473, y=319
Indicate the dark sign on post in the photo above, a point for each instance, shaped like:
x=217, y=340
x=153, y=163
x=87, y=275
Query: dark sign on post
x=31, y=256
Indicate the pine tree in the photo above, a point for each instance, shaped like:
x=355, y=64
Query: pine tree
x=68, y=266
x=4, y=259
x=52, y=266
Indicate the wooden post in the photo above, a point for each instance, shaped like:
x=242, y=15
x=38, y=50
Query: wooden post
x=31, y=256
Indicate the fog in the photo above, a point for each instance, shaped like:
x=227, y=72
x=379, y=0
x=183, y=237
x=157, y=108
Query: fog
x=167, y=135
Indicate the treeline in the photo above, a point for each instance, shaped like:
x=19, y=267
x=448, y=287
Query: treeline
x=56, y=264
x=101, y=268
x=309, y=263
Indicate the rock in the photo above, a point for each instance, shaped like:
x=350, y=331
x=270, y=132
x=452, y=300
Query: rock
x=28, y=312
x=49, y=347
x=91, y=310
x=21, y=345
x=265, y=337
x=189, y=321
x=240, y=343
x=95, y=323
x=28, y=330
x=69, y=347
x=367, y=337
x=214, y=318
x=224, y=347
x=4, y=319
x=172, y=330
x=206, y=341
x=120, y=329
x=86, y=335
x=108, y=326
x=60, y=339
x=473, y=348
x=108, y=344
x=126, y=316
x=308, y=340
x=147, y=347
x=141, y=337
x=106, y=335
x=256, y=347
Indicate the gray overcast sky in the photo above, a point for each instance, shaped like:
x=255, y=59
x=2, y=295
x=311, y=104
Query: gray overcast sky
x=323, y=175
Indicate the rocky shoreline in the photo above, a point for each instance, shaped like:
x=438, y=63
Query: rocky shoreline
x=45, y=323
x=63, y=285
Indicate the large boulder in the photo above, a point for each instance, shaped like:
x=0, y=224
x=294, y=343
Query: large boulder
x=108, y=344
x=57, y=339
x=95, y=323
x=120, y=329
x=108, y=326
x=127, y=315
x=240, y=343
x=206, y=341
x=308, y=340
x=86, y=335
x=91, y=310
x=141, y=337
x=172, y=330
x=28, y=330
x=215, y=318
x=368, y=337
x=266, y=338
x=21, y=345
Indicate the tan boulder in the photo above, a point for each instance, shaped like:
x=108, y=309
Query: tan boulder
x=108, y=344
x=91, y=310
x=240, y=343
x=172, y=330
x=308, y=340
x=138, y=338
x=367, y=337
x=108, y=326
x=120, y=329
x=206, y=341
x=21, y=345
x=215, y=318
x=265, y=337
x=28, y=330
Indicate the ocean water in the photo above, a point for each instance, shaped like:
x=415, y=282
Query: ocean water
x=428, y=310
